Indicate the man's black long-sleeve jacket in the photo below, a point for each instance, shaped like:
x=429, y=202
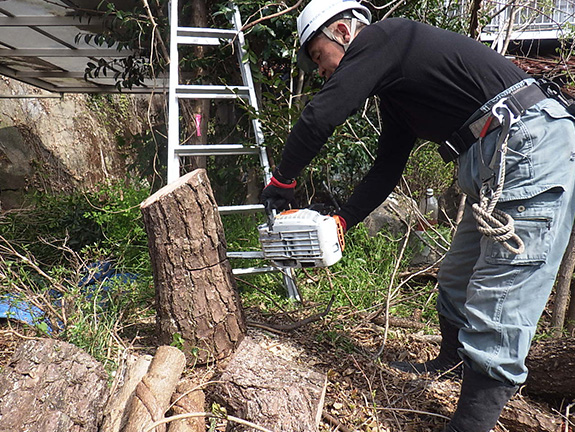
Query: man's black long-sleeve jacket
x=429, y=82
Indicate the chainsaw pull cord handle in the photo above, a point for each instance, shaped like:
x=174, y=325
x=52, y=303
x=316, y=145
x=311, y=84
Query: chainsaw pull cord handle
x=491, y=221
x=341, y=229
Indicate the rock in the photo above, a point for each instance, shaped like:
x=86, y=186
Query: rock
x=60, y=144
x=392, y=214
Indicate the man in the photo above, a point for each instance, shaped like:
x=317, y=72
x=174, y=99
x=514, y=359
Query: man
x=515, y=147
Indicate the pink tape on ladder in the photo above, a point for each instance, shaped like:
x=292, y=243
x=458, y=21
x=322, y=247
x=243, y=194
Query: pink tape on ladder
x=198, y=123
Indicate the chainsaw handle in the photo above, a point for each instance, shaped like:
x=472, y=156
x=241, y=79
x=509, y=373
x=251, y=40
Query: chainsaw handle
x=341, y=229
x=270, y=212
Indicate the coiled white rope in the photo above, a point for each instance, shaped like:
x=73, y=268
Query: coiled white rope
x=495, y=223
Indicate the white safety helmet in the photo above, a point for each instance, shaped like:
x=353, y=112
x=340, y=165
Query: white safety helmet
x=316, y=14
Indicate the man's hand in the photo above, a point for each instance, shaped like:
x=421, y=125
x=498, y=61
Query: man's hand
x=279, y=194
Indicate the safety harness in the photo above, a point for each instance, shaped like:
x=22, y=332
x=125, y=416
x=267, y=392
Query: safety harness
x=493, y=222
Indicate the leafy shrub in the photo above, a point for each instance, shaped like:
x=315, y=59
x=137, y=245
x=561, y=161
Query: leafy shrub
x=106, y=220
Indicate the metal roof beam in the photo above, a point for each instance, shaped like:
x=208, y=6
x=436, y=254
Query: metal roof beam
x=47, y=52
x=49, y=74
x=50, y=21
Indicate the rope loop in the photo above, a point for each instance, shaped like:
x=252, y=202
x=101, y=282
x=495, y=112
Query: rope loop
x=499, y=226
x=492, y=222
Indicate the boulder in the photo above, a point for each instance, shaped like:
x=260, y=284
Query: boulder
x=393, y=214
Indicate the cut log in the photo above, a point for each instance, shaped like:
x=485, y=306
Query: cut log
x=551, y=364
x=53, y=386
x=271, y=392
x=196, y=293
x=188, y=398
x=521, y=415
x=123, y=390
x=154, y=391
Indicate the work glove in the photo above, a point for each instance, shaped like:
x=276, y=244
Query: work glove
x=279, y=194
x=341, y=230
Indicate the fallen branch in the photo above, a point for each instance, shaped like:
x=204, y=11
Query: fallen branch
x=335, y=422
x=290, y=327
x=208, y=415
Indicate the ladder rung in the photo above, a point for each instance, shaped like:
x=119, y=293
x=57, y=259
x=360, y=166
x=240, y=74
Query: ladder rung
x=249, y=208
x=246, y=254
x=203, y=36
x=252, y=270
x=215, y=150
x=212, y=92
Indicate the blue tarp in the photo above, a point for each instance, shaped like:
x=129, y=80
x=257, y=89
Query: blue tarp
x=100, y=276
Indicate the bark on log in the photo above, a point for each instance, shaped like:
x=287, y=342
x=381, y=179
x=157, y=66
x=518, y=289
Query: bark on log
x=53, y=386
x=188, y=398
x=154, y=391
x=270, y=391
x=123, y=390
x=521, y=415
x=196, y=294
x=551, y=364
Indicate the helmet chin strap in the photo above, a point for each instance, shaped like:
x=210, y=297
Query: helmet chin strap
x=326, y=31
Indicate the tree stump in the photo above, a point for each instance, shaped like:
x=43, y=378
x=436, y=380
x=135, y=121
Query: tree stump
x=551, y=366
x=196, y=294
x=270, y=391
x=53, y=386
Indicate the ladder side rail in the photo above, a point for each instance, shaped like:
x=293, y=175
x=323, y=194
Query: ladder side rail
x=173, y=102
x=249, y=82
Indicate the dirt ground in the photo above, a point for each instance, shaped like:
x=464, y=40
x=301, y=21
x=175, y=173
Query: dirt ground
x=363, y=394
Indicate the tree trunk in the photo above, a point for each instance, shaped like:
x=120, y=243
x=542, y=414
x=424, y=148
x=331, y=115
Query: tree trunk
x=53, y=386
x=571, y=313
x=563, y=287
x=551, y=364
x=271, y=392
x=196, y=296
x=474, y=18
x=196, y=112
x=154, y=391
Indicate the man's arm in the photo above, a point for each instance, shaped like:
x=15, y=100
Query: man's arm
x=367, y=67
x=395, y=145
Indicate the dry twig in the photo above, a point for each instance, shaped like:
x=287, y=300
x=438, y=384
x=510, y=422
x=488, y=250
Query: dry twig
x=205, y=414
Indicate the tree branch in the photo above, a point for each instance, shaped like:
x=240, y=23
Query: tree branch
x=248, y=26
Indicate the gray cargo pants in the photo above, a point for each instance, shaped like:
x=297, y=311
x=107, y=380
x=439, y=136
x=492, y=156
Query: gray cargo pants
x=495, y=296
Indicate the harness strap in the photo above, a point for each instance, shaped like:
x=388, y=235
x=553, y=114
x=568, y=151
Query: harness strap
x=461, y=140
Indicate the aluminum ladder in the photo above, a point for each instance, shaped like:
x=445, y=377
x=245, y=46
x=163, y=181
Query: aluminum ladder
x=180, y=36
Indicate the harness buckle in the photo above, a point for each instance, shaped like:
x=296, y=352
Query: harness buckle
x=493, y=172
x=500, y=109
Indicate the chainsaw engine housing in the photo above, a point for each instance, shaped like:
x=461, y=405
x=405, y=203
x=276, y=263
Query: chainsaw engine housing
x=301, y=238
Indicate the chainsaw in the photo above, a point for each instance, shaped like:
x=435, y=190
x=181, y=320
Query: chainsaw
x=301, y=238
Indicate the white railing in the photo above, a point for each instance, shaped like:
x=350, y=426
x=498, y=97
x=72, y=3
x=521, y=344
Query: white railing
x=533, y=19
